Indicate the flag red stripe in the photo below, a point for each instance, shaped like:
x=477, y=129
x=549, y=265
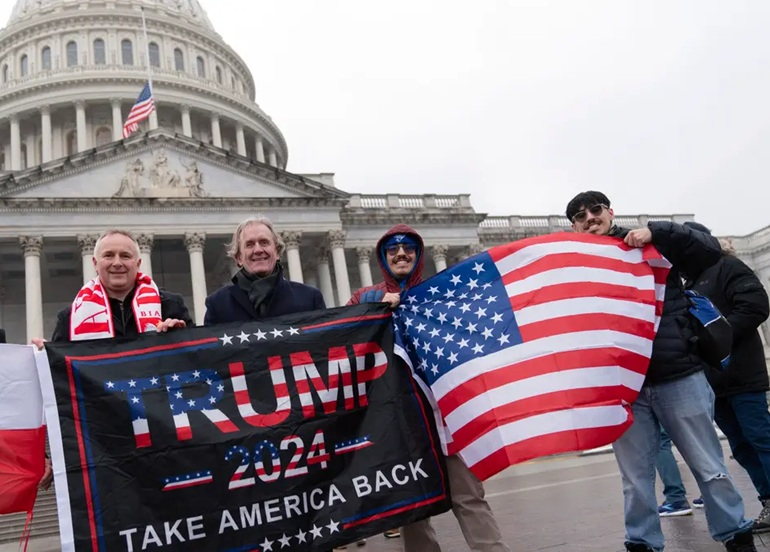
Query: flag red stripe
x=22, y=457
x=562, y=360
x=563, y=399
x=585, y=323
x=558, y=292
x=557, y=261
x=545, y=445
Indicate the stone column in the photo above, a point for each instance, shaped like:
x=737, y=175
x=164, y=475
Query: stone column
x=186, y=121
x=32, y=247
x=194, y=242
x=15, y=144
x=87, y=243
x=45, y=130
x=325, y=277
x=117, y=120
x=216, y=133
x=260, y=149
x=337, y=243
x=272, y=159
x=292, y=241
x=80, y=117
x=145, y=253
x=240, y=139
x=439, y=257
x=364, y=268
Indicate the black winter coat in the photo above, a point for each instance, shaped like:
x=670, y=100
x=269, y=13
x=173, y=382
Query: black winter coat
x=674, y=352
x=231, y=304
x=739, y=295
x=171, y=306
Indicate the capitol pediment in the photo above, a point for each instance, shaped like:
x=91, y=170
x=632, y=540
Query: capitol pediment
x=162, y=168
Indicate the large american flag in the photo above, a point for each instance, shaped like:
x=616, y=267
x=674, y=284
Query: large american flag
x=535, y=347
x=145, y=104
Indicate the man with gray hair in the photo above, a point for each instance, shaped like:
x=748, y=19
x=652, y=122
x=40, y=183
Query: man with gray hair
x=259, y=289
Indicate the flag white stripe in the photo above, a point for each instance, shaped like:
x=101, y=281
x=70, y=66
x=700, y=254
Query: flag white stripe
x=581, y=306
x=579, y=378
x=579, y=275
x=542, y=424
x=574, y=341
x=532, y=253
x=22, y=404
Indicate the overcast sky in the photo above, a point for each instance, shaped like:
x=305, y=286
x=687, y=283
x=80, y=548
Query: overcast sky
x=661, y=104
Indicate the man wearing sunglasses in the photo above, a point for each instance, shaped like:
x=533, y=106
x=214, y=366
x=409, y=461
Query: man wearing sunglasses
x=675, y=394
x=400, y=253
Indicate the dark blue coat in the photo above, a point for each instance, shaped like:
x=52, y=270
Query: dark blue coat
x=231, y=303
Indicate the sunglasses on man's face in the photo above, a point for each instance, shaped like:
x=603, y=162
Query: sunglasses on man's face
x=595, y=210
x=393, y=249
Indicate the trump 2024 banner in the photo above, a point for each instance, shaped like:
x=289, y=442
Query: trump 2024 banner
x=297, y=433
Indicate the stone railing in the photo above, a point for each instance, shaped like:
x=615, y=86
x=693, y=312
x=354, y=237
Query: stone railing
x=401, y=201
x=552, y=223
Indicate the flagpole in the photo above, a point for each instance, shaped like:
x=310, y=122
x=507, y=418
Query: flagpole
x=147, y=51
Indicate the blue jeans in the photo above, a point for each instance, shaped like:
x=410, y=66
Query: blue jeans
x=673, y=486
x=745, y=421
x=684, y=408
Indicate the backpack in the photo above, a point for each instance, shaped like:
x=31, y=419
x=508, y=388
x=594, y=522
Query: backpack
x=713, y=333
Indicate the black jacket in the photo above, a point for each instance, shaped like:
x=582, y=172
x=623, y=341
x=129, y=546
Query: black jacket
x=690, y=252
x=740, y=297
x=231, y=303
x=171, y=306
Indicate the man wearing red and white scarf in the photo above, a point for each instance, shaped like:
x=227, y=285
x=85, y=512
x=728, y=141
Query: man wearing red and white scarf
x=120, y=301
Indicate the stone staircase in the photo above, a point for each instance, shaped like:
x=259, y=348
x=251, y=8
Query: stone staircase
x=45, y=521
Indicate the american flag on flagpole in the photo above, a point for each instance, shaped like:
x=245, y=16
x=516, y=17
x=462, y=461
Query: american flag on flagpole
x=536, y=347
x=145, y=104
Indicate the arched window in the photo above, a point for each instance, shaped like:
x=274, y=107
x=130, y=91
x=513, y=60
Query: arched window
x=5, y=73
x=45, y=59
x=100, y=52
x=201, y=66
x=24, y=63
x=127, y=51
x=154, y=54
x=2, y=160
x=72, y=142
x=23, y=156
x=39, y=149
x=103, y=136
x=72, y=53
x=178, y=59
x=219, y=75
x=232, y=82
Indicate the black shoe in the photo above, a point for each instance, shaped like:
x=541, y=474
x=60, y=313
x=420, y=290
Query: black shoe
x=637, y=547
x=762, y=523
x=741, y=542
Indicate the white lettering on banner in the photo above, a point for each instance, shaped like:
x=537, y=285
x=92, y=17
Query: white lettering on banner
x=381, y=482
x=182, y=530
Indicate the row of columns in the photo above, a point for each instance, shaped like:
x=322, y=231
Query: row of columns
x=32, y=247
x=264, y=153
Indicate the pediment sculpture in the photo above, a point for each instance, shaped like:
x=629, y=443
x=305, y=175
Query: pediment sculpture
x=162, y=180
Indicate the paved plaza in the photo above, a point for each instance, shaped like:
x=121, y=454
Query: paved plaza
x=568, y=503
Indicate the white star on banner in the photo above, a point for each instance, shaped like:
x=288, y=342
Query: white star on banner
x=420, y=327
x=463, y=343
x=174, y=377
x=301, y=535
x=260, y=335
x=433, y=290
x=244, y=337
x=154, y=381
x=226, y=340
x=196, y=374
x=478, y=348
x=333, y=526
x=478, y=268
x=411, y=299
x=473, y=284
x=132, y=383
x=110, y=385
x=267, y=545
x=503, y=339
x=455, y=279
x=284, y=540
x=293, y=331
x=497, y=318
x=316, y=531
x=481, y=313
x=277, y=333
x=487, y=333
x=452, y=358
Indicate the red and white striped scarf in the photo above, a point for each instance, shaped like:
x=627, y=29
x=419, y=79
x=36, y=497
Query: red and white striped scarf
x=92, y=317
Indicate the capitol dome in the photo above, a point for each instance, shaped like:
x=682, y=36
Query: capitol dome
x=70, y=70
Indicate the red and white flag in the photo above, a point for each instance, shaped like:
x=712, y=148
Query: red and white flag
x=535, y=347
x=22, y=433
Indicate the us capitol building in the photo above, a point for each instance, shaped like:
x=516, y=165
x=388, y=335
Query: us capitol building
x=70, y=70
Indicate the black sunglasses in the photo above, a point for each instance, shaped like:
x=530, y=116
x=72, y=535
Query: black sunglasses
x=595, y=210
x=407, y=247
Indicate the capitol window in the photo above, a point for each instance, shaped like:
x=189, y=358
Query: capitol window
x=45, y=59
x=127, y=51
x=24, y=156
x=72, y=53
x=103, y=136
x=178, y=59
x=2, y=161
x=219, y=75
x=201, y=66
x=72, y=142
x=100, y=53
x=24, y=65
x=154, y=52
x=5, y=73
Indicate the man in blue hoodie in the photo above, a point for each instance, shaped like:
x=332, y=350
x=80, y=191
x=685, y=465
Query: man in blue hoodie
x=400, y=253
